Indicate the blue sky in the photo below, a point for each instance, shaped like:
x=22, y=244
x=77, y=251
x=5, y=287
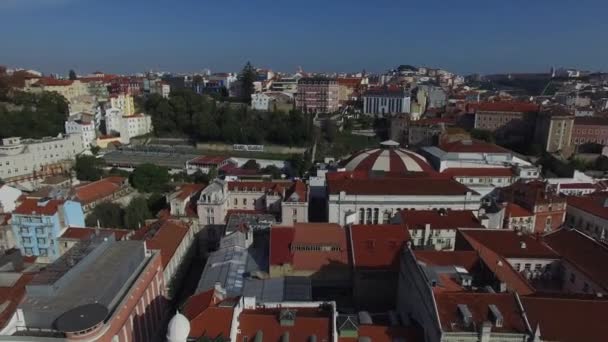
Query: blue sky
x=330, y=35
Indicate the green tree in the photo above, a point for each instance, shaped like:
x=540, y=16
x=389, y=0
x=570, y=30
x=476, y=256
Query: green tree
x=136, y=213
x=108, y=214
x=300, y=164
x=119, y=172
x=331, y=130
x=273, y=171
x=246, y=78
x=95, y=149
x=251, y=164
x=157, y=202
x=481, y=134
x=88, y=168
x=150, y=178
x=72, y=74
x=601, y=163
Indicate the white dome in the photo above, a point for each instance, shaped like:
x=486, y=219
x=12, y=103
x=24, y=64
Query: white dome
x=178, y=329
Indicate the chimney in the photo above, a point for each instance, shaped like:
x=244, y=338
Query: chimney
x=465, y=314
x=495, y=315
x=219, y=293
x=486, y=332
x=522, y=245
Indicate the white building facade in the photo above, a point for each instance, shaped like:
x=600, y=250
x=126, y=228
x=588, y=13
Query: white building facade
x=386, y=101
x=23, y=157
x=86, y=129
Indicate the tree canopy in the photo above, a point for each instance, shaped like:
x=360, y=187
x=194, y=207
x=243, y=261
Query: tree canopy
x=108, y=214
x=88, y=168
x=136, y=213
x=33, y=115
x=246, y=79
x=150, y=178
x=72, y=75
x=202, y=118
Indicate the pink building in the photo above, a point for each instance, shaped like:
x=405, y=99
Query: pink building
x=317, y=95
x=590, y=130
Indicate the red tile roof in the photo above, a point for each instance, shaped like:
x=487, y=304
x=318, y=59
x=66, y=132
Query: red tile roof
x=578, y=186
x=511, y=244
x=30, y=206
x=471, y=146
x=283, y=251
x=352, y=82
x=206, y=317
x=81, y=233
x=12, y=296
x=581, y=251
x=479, y=172
x=208, y=160
x=590, y=121
x=447, y=219
x=592, y=204
x=298, y=187
x=273, y=187
x=377, y=246
x=568, y=320
x=466, y=259
x=499, y=266
x=514, y=210
x=478, y=304
x=164, y=235
x=507, y=106
x=53, y=82
x=381, y=333
x=187, y=190
x=94, y=191
x=308, y=322
x=412, y=186
x=280, y=244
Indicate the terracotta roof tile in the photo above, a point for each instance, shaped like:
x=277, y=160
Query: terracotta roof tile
x=280, y=244
x=12, y=296
x=187, y=190
x=81, y=233
x=514, y=210
x=413, y=186
x=446, y=219
x=568, y=320
x=309, y=234
x=91, y=192
x=478, y=304
x=30, y=206
x=164, y=235
x=507, y=106
x=377, y=246
x=466, y=259
x=593, y=204
x=583, y=252
x=308, y=322
x=511, y=244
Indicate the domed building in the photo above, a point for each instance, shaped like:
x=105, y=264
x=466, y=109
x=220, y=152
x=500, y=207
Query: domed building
x=378, y=183
x=178, y=329
x=389, y=158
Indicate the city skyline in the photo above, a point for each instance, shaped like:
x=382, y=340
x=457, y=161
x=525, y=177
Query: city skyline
x=54, y=36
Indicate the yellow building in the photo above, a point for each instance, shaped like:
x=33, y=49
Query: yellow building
x=124, y=103
x=70, y=89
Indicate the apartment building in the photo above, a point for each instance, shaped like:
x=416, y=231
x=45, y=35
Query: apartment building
x=24, y=157
x=38, y=223
x=317, y=95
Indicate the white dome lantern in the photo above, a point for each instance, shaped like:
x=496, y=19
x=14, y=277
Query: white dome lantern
x=178, y=329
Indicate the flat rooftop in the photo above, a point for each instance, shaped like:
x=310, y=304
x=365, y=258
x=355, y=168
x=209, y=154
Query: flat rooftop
x=101, y=277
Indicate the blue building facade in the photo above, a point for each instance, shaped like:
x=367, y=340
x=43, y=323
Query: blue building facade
x=38, y=223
